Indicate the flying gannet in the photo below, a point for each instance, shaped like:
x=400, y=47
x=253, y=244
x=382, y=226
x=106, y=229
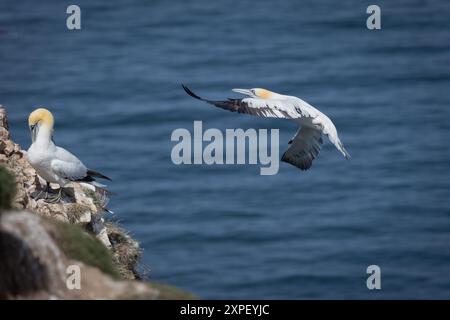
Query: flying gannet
x=305, y=145
x=52, y=163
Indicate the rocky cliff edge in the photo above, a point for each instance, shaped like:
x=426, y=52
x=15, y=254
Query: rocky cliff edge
x=40, y=242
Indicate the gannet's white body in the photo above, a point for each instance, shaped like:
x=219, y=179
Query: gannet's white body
x=305, y=145
x=52, y=163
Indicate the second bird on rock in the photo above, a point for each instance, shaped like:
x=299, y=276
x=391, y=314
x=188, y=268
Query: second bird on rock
x=52, y=163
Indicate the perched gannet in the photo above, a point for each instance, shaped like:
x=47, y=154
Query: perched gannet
x=305, y=145
x=55, y=164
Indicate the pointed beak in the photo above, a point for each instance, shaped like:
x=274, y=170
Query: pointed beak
x=33, y=130
x=247, y=92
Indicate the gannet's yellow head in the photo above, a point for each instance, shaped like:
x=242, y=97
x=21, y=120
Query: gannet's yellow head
x=263, y=93
x=41, y=116
x=257, y=93
x=41, y=120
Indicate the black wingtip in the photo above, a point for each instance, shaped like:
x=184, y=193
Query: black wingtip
x=302, y=165
x=96, y=174
x=189, y=92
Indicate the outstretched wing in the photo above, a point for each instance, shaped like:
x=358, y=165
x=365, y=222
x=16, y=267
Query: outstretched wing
x=304, y=148
x=268, y=108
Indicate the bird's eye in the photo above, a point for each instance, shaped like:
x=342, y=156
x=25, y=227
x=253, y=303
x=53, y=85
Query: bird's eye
x=32, y=127
x=253, y=91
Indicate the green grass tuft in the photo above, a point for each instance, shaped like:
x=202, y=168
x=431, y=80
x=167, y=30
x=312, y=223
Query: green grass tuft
x=75, y=211
x=95, y=198
x=81, y=246
x=7, y=189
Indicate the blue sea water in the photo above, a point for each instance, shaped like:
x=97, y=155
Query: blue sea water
x=226, y=231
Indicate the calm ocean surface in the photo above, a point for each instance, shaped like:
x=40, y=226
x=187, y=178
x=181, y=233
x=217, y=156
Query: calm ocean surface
x=226, y=231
